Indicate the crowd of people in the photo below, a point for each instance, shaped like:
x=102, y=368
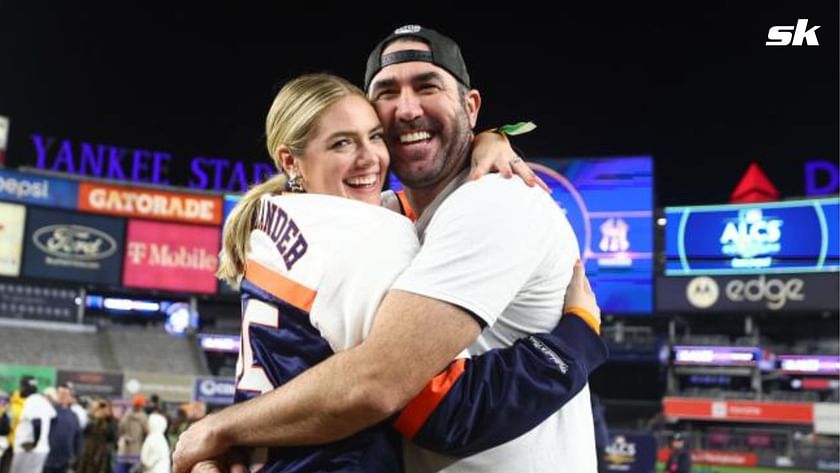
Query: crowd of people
x=54, y=431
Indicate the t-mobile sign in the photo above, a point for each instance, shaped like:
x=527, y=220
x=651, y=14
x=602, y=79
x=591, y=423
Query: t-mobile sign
x=171, y=256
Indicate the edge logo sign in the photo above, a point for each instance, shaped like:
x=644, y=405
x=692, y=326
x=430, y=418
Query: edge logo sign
x=765, y=292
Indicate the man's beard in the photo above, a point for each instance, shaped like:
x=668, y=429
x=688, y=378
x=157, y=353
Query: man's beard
x=451, y=153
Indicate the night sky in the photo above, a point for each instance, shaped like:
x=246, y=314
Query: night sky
x=691, y=84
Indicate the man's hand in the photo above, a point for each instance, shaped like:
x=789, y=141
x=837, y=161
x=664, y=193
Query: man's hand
x=200, y=444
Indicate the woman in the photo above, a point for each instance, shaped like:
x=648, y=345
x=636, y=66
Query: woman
x=313, y=259
x=99, y=440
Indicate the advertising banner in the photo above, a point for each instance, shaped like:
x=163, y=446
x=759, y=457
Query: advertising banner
x=172, y=257
x=39, y=190
x=150, y=204
x=630, y=452
x=27, y=301
x=93, y=383
x=10, y=376
x=758, y=293
x=12, y=219
x=713, y=457
x=746, y=411
x=800, y=236
x=218, y=391
x=73, y=246
x=170, y=387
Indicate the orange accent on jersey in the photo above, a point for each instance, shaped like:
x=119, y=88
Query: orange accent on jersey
x=590, y=319
x=280, y=286
x=408, y=211
x=421, y=407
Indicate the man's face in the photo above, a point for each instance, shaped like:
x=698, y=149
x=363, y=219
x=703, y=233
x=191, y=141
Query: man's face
x=428, y=125
x=65, y=396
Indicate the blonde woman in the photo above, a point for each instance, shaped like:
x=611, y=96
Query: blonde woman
x=314, y=252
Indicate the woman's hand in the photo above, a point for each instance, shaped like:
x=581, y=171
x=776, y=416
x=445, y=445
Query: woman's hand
x=492, y=152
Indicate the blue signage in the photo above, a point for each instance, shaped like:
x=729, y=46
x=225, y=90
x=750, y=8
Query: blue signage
x=217, y=391
x=630, y=452
x=609, y=203
x=39, y=190
x=780, y=237
x=73, y=246
x=144, y=165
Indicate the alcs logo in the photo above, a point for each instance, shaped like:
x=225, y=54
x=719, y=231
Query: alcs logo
x=782, y=36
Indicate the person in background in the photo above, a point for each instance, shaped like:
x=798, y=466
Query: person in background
x=100, y=438
x=154, y=456
x=679, y=461
x=5, y=426
x=132, y=431
x=65, y=434
x=13, y=409
x=32, y=443
x=76, y=405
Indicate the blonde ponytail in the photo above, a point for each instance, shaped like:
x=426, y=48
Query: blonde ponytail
x=238, y=228
x=291, y=118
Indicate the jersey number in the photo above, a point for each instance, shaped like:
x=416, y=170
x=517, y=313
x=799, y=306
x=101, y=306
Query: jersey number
x=250, y=375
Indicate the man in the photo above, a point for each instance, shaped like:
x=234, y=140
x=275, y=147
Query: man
x=32, y=445
x=679, y=461
x=132, y=430
x=65, y=432
x=497, y=254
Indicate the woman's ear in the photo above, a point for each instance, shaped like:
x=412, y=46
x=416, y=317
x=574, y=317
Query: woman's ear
x=285, y=160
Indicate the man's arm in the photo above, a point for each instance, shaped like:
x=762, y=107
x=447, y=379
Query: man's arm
x=413, y=338
x=498, y=396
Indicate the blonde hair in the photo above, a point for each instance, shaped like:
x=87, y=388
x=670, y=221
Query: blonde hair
x=291, y=119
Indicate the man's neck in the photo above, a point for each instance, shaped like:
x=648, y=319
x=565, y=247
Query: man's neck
x=421, y=198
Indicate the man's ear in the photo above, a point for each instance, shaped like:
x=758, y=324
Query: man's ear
x=472, y=103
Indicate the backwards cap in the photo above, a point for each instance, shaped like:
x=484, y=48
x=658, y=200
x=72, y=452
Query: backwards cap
x=444, y=53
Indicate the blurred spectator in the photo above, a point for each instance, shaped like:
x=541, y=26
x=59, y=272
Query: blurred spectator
x=679, y=461
x=13, y=410
x=32, y=444
x=76, y=406
x=132, y=432
x=178, y=425
x=65, y=434
x=154, y=405
x=100, y=438
x=5, y=426
x=155, y=455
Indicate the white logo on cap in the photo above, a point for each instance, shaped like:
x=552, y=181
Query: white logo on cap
x=702, y=292
x=407, y=29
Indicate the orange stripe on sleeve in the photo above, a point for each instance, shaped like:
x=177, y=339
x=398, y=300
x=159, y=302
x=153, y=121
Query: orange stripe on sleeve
x=587, y=317
x=280, y=286
x=414, y=415
x=409, y=212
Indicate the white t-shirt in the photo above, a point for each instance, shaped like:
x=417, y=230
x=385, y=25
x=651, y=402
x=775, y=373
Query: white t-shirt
x=504, y=252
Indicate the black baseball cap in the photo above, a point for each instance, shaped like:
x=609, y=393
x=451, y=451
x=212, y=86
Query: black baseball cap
x=444, y=53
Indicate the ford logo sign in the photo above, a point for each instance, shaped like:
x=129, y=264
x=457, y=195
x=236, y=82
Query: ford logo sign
x=74, y=242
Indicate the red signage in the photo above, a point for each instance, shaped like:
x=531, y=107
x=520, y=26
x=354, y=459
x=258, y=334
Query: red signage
x=170, y=256
x=714, y=457
x=745, y=411
x=147, y=203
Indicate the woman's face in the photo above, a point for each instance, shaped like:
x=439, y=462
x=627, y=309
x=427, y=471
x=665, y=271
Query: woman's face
x=346, y=154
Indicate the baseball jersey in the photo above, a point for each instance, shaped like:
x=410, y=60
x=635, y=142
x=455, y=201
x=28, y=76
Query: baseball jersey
x=317, y=268
x=504, y=252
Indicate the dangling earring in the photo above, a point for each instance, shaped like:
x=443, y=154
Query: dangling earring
x=295, y=183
